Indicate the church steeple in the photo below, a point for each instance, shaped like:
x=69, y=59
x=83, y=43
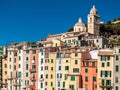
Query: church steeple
x=93, y=22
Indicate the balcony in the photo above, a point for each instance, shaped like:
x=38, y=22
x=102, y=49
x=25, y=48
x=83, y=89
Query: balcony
x=16, y=84
x=4, y=84
x=81, y=89
x=41, y=79
x=10, y=78
x=106, y=86
x=33, y=79
x=33, y=70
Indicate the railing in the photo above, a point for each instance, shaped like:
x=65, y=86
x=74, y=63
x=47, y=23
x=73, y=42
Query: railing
x=10, y=78
x=32, y=70
x=33, y=79
x=106, y=86
x=41, y=79
x=16, y=84
x=81, y=88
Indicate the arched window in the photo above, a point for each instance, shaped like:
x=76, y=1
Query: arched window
x=90, y=19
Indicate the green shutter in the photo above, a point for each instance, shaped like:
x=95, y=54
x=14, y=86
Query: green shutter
x=110, y=74
x=103, y=64
x=76, y=54
x=86, y=70
x=72, y=78
x=108, y=64
x=63, y=84
x=117, y=58
x=116, y=88
x=117, y=68
x=76, y=61
x=103, y=82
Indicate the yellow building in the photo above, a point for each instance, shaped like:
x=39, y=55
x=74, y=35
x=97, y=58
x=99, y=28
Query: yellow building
x=71, y=70
x=52, y=71
x=105, y=69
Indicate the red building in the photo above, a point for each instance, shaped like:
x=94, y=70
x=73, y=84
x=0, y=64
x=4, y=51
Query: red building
x=89, y=72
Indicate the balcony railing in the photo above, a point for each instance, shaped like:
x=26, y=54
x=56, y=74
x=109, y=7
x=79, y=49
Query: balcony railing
x=32, y=70
x=81, y=89
x=41, y=79
x=16, y=84
x=10, y=78
x=33, y=79
x=106, y=86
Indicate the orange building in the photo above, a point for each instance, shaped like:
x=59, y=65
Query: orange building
x=33, y=67
x=89, y=73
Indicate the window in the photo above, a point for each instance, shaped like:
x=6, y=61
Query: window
x=46, y=75
x=94, y=78
x=87, y=64
x=93, y=64
x=27, y=74
x=63, y=84
x=27, y=58
x=51, y=60
x=76, y=54
x=46, y=83
x=86, y=70
x=103, y=64
x=60, y=75
x=117, y=58
x=75, y=70
x=26, y=66
x=57, y=75
x=96, y=70
x=103, y=58
x=14, y=60
x=58, y=84
x=9, y=59
x=116, y=88
x=41, y=60
x=108, y=57
x=66, y=67
x=51, y=83
x=5, y=65
x=19, y=66
x=59, y=67
x=41, y=68
x=108, y=64
x=19, y=58
x=86, y=79
x=15, y=53
x=51, y=76
x=103, y=82
x=14, y=67
x=51, y=68
x=97, y=40
x=71, y=87
x=56, y=44
x=119, y=50
x=41, y=53
x=116, y=79
x=76, y=61
x=117, y=68
x=27, y=51
x=72, y=78
x=66, y=61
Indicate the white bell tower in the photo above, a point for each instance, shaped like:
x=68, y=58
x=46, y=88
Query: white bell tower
x=93, y=22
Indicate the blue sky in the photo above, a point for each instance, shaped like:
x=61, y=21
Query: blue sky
x=33, y=20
